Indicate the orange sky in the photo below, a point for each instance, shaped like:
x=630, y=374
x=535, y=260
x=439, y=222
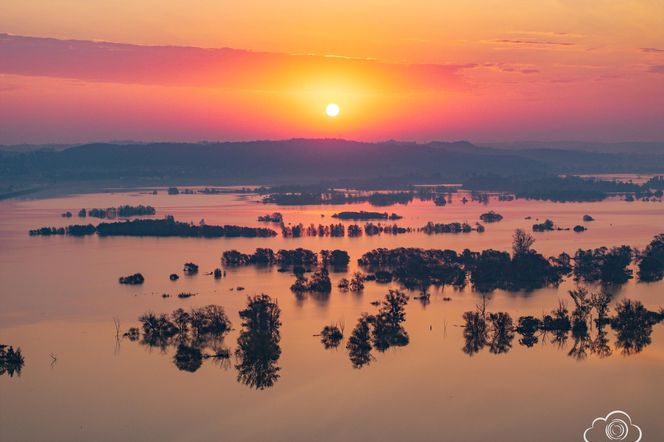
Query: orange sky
x=418, y=70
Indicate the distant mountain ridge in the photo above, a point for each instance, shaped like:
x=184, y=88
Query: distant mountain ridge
x=640, y=147
x=262, y=160
x=300, y=160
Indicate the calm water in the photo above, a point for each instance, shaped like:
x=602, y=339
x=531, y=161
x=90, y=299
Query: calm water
x=59, y=296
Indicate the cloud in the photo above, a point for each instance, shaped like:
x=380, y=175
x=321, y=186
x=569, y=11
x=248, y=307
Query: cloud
x=652, y=50
x=656, y=69
x=510, y=68
x=617, y=425
x=547, y=34
x=531, y=43
x=520, y=70
x=221, y=68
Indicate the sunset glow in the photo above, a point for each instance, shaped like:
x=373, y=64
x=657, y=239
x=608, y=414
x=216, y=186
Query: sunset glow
x=444, y=70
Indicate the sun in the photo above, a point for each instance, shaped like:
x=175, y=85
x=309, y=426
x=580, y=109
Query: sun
x=332, y=110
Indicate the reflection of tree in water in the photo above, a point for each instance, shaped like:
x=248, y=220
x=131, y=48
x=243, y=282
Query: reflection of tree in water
x=633, y=325
x=495, y=330
x=582, y=310
x=158, y=331
x=589, y=309
x=380, y=331
x=501, y=332
x=258, y=344
x=559, y=337
x=581, y=342
x=475, y=331
x=529, y=328
x=188, y=358
x=600, y=345
x=196, y=335
x=558, y=325
x=587, y=323
x=11, y=361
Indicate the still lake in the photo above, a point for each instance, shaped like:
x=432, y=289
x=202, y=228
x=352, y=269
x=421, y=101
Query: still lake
x=59, y=296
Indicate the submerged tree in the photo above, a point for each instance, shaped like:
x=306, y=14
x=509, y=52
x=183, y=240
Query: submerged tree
x=528, y=328
x=501, y=332
x=209, y=320
x=158, y=330
x=651, y=262
x=495, y=330
x=582, y=310
x=524, y=270
x=181, y=320
x=338, y=259
x=388, y=331
x=633, y=326
x=356, y=283
x=475, y=332
x=196, y=335
x=608, y=266
x=583, y=343
x=600, y=303
x=331, y=336
x=318, y=283
x=522, y=242
x=600, y=345
x=558, y=324
x=258, y=348
x=359, y=342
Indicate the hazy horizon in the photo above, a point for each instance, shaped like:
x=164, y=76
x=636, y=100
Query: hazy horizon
x=375, y=141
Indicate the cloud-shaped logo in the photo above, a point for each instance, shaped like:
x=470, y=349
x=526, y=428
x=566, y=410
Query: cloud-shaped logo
x=617, y=425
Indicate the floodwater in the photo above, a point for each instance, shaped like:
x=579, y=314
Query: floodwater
x=59, y=296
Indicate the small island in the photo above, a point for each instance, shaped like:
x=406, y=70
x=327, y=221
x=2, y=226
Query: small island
x=543, y=227
x=297, y=257
x=157, y=227
x=319, y=282
x=366, y=216
x=134, y=279
x=190, y=268
x=275, y=217
x=491, y=217
x=432, y=228
x=330, y=196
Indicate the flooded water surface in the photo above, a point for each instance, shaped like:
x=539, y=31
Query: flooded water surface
x=83, y=379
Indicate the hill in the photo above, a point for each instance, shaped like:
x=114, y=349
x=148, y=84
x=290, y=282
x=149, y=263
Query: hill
x=306, y=160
